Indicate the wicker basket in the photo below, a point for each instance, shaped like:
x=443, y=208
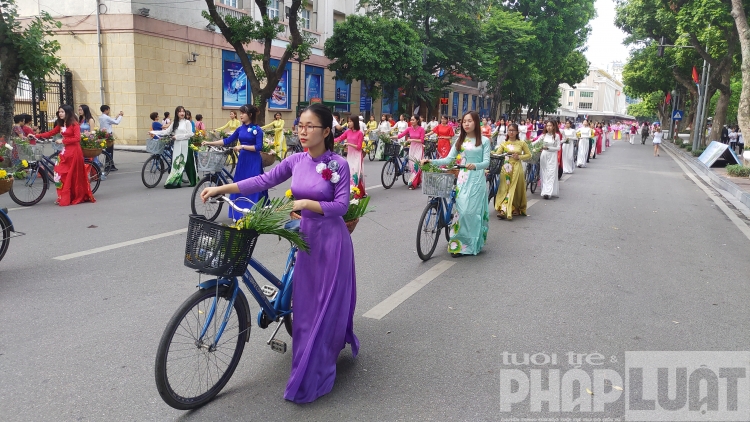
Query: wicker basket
x=155, y=146
x=210, y=161
x=438, y=184
x=110, y=143
x=219, y=250
x=267, y=158
x=91, y=152
x=5, y=185
x=351, y=225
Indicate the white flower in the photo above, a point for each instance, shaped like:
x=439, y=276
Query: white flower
x=335, y=177
x=320, y=167
x=354, y=201
x=255, y=132
x=57, y=177
x=272, y=152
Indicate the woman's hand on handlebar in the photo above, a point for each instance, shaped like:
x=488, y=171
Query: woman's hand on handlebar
x=424, y=161
x=210, y=193
x=471, y=167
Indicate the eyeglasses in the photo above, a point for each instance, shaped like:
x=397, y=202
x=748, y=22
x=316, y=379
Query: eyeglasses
x=512, y=130
x=309, y=128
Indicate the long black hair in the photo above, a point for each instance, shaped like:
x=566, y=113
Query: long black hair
x=176, y=121
x=326, y=120
x=86, y=114
x=69, y=116
x=251, y=111
x=515, y=127
x=355, y=122
x=477, y=131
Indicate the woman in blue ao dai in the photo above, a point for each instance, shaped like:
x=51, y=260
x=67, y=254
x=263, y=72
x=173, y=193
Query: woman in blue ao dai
x=324, y=283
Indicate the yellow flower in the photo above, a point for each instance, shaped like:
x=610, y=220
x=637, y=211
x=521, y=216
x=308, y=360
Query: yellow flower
x=288, y=193
x=24, y=163
x=3, y=174
x=103, y=144
x=355, y=190
x=458, y=157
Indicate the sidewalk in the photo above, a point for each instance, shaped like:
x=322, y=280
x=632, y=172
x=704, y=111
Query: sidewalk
x=734, y=189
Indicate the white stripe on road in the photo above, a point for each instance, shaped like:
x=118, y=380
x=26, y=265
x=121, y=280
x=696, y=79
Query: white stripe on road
x=719, y=203
x=565, y=177
x=18, y=208
x=531, y=202
x=118, y=245
x=383, y=308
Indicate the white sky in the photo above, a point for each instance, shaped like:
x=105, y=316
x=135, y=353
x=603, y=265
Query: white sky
x=605, y=41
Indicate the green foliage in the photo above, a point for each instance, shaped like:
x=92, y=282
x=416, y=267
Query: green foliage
x=734, y=100
x=381, y=51
x=269, y=217
x=357, y=208
x=698, y=152
x=688, y=148
x=647, y=108
x=738, y=170
x=684, y=145
x=32, y=52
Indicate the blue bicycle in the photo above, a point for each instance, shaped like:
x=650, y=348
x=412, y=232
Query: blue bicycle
x=439, y=212
x=158, y=163
x=212, y=162
x=203, y=341
x=493, y=175
x=394, y=167
x=7, y=232
x=532, y=176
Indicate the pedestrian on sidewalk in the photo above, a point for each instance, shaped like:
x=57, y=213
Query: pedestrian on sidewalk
x=644, y=133
x=633, y=131
x=550, y=139
x=657, y=139
x=733, y=137
x=740, y=141
x=105, y=124
x=324, y=292
x=469, y=228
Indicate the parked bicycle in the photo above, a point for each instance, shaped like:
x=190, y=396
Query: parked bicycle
x=293, y=146
x=210, y=162
x=395, y=166
x=439, y=212
x=158, y=163
x=29, y=190
x=203, y=341
x=7, y=232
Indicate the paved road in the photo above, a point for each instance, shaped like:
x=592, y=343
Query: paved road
x=632, y=256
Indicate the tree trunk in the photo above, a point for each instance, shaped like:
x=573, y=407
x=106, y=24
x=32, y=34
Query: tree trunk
x=7, y=104
x=720, y=116
x=740, y=21
x=261, y=102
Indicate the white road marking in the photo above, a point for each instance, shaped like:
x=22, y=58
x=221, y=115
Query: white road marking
x=531, y=202
x=18, y=209
x=719, y=203
x=118, y=245
x=565, y=177
x=383, y=308
x=373, y=187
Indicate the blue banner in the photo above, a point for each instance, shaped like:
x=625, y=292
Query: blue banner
x=455, y=105
x=390, y=103
x=281, y=98
x=234, y=81
x=465, y=106
x=343, y=94
x=474, y=102
x=365, y=102
x=313, y=84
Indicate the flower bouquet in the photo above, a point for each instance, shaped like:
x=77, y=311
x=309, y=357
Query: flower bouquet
x=270, y=217
x=7, y=177
x=91, y=145
x=268, y=154
x=107, y=137
x=536, y=150
x=357, y=208
x=198, y=138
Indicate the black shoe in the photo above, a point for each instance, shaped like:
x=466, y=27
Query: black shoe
x=545, y=196
x=112, y=168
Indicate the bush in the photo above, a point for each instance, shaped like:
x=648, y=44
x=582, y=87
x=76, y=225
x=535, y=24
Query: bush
x=683, y=145
x=738, y=170
x=697, y=153
x=689, y=148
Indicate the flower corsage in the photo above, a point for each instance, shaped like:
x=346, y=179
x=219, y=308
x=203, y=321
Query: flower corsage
x=328, y=169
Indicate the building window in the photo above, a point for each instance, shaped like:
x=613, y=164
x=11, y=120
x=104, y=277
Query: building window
x=571, y=93
x=570, y=103
x=587, y=94
x=585, y=106
x=304, y=19
x=273, y=8
x=230, y=3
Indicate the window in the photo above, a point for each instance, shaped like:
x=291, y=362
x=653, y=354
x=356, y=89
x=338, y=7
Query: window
x=273, y=9
x=587, y=94
x=570, y=103
x=230, y=3
x=571, y=93
x=304, y=19
x=585, y=106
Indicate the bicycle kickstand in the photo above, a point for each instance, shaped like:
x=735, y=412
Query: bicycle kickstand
x=276, y=344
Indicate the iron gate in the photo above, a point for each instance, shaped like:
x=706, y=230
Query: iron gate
x=31, y=99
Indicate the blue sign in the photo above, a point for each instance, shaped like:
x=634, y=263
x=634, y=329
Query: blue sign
x=390, y=102
x=342, y=95
x=313, y=84
x=281, y=97
x=678, y=114
x=455, y=104
x=365, y=102
x=234, y=91
x=465, y=107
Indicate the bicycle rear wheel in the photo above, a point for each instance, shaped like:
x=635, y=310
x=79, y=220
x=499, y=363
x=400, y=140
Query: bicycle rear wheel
x=534, y=178
x=210, y=210
x=105, y=163
x=190, y=369
x=371, y=153
x=406, y=174
x=428, y=232
x=30, y=190
x=388, y=174
x=230, y=162
x=4, y=235
x=152, y=171
x=491, y=187
x=95, y=176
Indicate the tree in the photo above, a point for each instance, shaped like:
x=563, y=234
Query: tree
x=24, y=49
x=740, y=21
x=246, y=30
x=650, y=107
x=378, y=51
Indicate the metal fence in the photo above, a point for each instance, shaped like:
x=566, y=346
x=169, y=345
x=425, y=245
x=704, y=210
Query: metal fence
x=41, y=100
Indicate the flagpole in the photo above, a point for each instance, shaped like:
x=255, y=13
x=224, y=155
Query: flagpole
x=699, y=110
x=704, y=108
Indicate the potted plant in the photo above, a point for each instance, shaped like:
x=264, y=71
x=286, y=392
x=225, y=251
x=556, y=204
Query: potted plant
x=268, y=154
x=7, y=176
x=91, y=145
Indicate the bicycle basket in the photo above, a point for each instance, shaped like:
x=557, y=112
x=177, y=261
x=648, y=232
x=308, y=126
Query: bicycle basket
x=535, y=156
x=438, y=184
x=430, y=147
x=292, y=141
x=496, y=163
x=155, y=146
x=212, y=248
x=210, y=161
x=392, y=149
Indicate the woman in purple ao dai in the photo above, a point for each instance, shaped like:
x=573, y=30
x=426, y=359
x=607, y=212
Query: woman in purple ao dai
x=324, y=284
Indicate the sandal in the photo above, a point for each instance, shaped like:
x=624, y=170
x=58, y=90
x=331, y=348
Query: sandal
x=501, y=215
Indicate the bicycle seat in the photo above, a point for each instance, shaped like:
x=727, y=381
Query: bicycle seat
x=293, y=225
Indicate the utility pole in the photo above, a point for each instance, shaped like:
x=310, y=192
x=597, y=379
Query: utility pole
x=702, y=93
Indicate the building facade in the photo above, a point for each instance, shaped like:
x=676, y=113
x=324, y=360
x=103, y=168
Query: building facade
x=156, y=56
x=599, y=96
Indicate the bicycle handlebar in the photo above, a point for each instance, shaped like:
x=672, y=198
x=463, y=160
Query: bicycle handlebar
x=231, y=203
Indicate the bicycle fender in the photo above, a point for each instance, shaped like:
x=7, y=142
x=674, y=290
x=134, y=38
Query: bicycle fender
x=212, y=283
x=4, y=216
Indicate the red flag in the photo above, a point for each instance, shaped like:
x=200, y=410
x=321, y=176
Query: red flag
x=669, y=98
x=695, y=76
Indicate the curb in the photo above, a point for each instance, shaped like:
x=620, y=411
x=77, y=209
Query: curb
x=716, y=180
x=131, y=148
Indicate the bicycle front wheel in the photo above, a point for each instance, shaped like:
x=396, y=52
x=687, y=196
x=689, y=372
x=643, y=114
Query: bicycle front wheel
x=428, y=232
x=106, y=162
x=230, y=163
x=388, y=174
x=95, y=176
x=371, y=153
x=406, y=174
x=491, y=187
x=210, y=210
x=191, y=369
x=152, y=171
x=30, y=189
x=4, y=235
x=534, y=178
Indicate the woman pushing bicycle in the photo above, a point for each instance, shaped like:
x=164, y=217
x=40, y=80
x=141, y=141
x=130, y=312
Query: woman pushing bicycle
x=415, y=134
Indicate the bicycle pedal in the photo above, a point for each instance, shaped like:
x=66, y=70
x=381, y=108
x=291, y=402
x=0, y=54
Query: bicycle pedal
x=269, y=291
x=278, y=346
